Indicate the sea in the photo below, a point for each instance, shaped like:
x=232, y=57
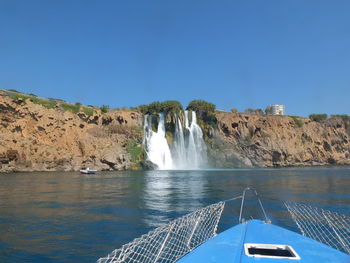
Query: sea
x=69, y=217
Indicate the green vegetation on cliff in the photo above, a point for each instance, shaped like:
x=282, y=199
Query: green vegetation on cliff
x=202, y=107
x=344, y=117
x=297, y=120
x=323, y=117
x=254, y=111
x=205, y=112
x=51, y=103
x=137, y=154
x=47, y=103
x=88, y=111
x=104, y=108
x=169, y=106
x=74, y=108
x=318, y=117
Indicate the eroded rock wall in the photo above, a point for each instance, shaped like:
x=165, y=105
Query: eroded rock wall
x=246, y=140
x=34, y=138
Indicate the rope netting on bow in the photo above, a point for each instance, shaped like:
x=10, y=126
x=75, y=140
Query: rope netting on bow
x=330, y=228
x=168, y=243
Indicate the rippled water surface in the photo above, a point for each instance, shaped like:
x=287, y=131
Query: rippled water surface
x=68, y=217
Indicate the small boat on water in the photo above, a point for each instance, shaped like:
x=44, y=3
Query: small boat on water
x=325, y=237
x=87, y=171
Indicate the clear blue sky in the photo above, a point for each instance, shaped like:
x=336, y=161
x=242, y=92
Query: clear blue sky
x=235, y=54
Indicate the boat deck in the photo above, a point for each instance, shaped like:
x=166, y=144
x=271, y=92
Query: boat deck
x=228, y=246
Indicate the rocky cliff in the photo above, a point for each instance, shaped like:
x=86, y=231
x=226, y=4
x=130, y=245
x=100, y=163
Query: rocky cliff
x=40, y=135
x=246, y=140
x=36, y=138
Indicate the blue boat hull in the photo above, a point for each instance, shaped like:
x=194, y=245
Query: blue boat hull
x=228, y=246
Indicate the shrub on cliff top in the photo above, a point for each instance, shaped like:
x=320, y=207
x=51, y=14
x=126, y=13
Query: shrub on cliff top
x=50, y=104
x=205, y=111
x=201, y=106
x=70, y=107
x=344, y=117
x=152, y=108
x=104, y=108
x=47, y=103
x=254, y=111
x=169, y=106
x=15, y=96
x=88, y=111
x=298, y=122
x=318, y=117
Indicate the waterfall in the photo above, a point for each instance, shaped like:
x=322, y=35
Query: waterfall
x=179, y=152
x=196, y=145
x=188, y=150
x=156, y=145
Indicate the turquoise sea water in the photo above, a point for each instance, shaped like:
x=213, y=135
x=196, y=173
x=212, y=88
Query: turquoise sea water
x=68, y=217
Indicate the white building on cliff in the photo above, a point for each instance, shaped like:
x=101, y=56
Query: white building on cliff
x=276, y=109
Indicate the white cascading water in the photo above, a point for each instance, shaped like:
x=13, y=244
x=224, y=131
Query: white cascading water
x=196, y=148
x=156, y=145
x=188, y=150
x=179, y=148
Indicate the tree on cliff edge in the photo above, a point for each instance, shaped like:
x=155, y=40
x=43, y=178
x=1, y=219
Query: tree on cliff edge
x=205, y=110
x=167, y=107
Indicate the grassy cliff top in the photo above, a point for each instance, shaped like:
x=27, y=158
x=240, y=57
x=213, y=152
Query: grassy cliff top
x=52, y=103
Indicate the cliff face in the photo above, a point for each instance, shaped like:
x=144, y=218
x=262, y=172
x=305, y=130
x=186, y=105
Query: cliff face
x=245, y=140
x=34, y=138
